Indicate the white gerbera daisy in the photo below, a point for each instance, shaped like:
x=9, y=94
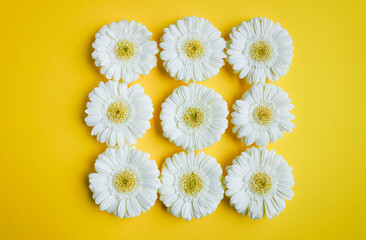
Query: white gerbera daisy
x=192, y=49
x=260, y=49
x=118, y=114
x=257, y=180
x=126, y=182
x=124, y=51
x=191, y=185
x=262, y=115
x=194, y=117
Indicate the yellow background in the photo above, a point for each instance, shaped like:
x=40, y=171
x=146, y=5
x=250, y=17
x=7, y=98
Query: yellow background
x=47, y=151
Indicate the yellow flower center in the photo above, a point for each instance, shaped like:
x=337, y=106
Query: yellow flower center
x=260, y=183
x=124, y=181
x=124, y=50
x=260, y=51
x=191, y=184
x=117, y=112
x=193, y=49
x=193, y=117
x=263, y=115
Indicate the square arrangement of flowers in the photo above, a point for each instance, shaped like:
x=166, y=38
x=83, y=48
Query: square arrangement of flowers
x=191, y=183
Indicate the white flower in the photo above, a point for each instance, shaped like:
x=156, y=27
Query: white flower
x=126, y=182
x=192, y=49
x=191, y=185
x=259, y=179
x=194, y=117
x=124, y=51
x=262, y=115
x=260, y=49
x=118, y=114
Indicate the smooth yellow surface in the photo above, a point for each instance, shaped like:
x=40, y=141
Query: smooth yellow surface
x=47, y=151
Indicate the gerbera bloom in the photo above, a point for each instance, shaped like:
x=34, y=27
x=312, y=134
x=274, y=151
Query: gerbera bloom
x=126, y=182
x=192, y=49
x=194, y=117
x=191, y=185
x=124, y=51
x=257, y=180
x=118, y=114
x=260, y=49
x=262, y=115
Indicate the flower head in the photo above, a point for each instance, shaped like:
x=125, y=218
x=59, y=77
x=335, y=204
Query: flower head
x=124, y=51
x=118, y=114
x=192, y=49
x=194, y=117
x=259, y=50
x=191, y=185
x=262, y=115
x=258, y=180
x=126, y=182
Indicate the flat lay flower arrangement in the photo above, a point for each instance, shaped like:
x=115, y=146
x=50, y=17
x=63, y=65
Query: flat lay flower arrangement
x=191, y=185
